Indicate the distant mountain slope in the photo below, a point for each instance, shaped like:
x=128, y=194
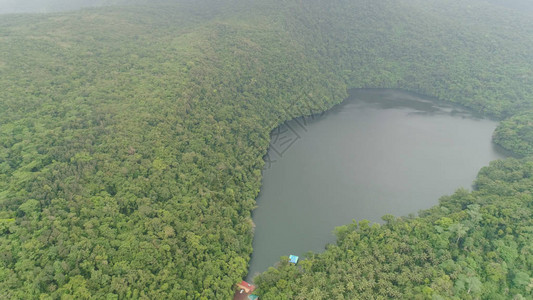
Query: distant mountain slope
x=131, y=138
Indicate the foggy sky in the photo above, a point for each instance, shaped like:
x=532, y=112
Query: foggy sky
x=43, y=6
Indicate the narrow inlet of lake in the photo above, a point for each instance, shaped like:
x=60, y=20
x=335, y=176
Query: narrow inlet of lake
x=379, y=152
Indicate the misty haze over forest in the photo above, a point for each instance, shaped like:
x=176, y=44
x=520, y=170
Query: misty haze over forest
x=48, y=6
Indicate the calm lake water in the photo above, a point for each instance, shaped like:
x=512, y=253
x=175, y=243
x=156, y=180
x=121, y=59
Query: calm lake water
x=379, y=152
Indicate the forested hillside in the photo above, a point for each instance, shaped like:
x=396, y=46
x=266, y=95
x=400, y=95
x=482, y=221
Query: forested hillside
x=132, y=144
x=132, y=137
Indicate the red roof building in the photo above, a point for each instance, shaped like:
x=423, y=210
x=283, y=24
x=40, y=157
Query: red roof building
x=247, y=287
x=244, y=289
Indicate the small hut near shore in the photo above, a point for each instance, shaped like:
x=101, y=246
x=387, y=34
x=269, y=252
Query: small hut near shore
x=293, y=259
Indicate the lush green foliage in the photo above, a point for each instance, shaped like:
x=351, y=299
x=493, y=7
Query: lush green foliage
x=516, y=134
x=132, y=143
x=131, y=138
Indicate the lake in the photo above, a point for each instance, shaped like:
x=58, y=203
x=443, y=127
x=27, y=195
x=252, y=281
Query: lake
x=379, y=152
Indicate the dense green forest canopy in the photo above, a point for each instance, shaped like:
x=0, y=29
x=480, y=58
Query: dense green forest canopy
x=132, y=137
x=516, y=133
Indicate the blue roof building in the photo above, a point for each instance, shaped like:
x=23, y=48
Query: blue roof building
x=293, y=259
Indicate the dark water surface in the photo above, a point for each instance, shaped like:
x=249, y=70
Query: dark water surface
x=379, y=152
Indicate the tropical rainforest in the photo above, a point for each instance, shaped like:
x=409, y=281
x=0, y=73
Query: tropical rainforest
x=132, y=139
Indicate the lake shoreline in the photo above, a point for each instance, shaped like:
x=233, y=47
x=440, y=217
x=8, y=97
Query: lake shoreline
x=426, y=103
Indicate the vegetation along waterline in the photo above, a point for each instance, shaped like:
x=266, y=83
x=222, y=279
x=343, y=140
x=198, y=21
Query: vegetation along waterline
x=132, y=140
